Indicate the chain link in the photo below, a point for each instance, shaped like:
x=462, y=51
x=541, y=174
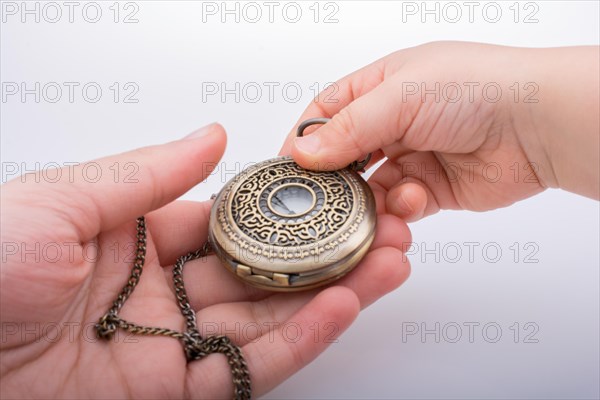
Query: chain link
x=195, y=346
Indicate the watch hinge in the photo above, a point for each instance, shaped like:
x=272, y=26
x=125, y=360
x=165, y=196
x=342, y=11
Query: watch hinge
x=276, y=278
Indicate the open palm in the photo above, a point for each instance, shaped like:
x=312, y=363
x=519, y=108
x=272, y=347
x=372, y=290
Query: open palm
x=83, y=238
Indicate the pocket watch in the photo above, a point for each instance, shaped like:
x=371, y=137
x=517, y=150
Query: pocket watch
x=281, y=227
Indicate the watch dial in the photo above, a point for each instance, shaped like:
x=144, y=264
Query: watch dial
x=291, y=199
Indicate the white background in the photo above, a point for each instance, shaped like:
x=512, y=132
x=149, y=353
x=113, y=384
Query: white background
x=171, y=52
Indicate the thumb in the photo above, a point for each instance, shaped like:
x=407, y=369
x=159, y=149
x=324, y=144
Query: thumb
x=369, y=123
x=102, y=194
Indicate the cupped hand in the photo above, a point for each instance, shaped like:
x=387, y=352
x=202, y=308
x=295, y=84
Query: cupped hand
x=462, y=125
x=67, y=248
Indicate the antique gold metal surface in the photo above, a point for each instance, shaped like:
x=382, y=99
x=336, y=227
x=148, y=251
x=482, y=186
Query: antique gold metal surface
x=281, y=227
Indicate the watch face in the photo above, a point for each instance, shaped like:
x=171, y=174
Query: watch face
x=281, y=227
x=291, y=200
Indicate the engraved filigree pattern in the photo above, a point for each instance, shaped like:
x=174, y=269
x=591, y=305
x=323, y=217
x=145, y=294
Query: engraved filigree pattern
x=316, y=224
x=340, y=215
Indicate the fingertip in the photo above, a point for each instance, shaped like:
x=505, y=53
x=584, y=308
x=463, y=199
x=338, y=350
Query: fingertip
x=416, y=197
x=329, y=148
x=302, y=154
x=208, y=145
x=217, y=133
x=220, y=135
x=407, y=201
x=206, y=130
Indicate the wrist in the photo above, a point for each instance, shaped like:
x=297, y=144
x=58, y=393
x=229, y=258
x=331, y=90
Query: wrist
x=558, y=126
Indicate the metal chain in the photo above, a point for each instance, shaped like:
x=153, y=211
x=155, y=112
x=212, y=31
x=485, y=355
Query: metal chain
x=195, y=346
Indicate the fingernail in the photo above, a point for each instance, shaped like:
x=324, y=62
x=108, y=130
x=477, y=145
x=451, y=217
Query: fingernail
x=406, y=207
x=308, y=144
x=412, y=215
x=200, y=132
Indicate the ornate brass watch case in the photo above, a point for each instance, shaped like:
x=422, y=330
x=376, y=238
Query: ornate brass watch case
x=280, y=227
